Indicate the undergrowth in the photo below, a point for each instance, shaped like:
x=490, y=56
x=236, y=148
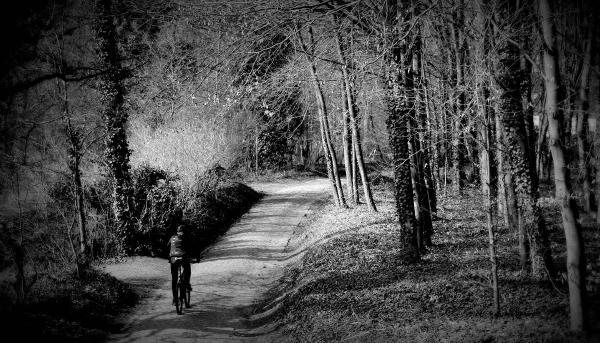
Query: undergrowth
x=60, y=306
x=351, y=284
x=67, y=308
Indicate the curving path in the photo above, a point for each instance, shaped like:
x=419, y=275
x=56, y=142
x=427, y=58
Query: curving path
x=233, y=274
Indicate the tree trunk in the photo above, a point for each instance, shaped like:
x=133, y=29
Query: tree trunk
x=431, y=162
x=328, y=149
x=525, y=76
x=399, y=105
x=508, y=197
x=115, y=118
x=354, y=159
x=456, y=38
x=540, y=160
x=74, y=162
x=74, y=153
x=417, y=195
x=360, y=162
x=455, y=129
x=488, y=201
x=328, y=163
x=348, y=146
x=575, y=254
x=582, y=118
x=420, y=155
x=510, y=109
x=352, y=110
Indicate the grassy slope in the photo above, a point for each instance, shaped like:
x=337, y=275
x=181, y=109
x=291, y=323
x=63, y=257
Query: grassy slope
x=351, y=286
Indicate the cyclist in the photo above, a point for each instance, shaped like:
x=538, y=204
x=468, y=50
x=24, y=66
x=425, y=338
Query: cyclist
x=178, y=246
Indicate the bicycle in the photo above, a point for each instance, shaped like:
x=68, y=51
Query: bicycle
x=183, y=293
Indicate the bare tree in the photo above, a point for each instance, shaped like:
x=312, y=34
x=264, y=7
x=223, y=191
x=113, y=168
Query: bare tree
x=328, y=148
x=350, y=104
x=575, y=255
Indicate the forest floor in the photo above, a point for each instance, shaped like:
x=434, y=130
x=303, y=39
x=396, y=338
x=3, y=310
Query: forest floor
x=297, y=269
x=232, y=275
x=351, y=286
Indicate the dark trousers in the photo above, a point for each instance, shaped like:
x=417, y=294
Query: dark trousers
x=187, y=270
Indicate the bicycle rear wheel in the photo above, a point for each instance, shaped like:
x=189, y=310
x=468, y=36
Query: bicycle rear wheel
x=180, y=301
x=179, y=306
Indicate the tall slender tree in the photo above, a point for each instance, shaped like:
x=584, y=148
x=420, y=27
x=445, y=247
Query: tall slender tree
x=328, y=148
x=350, y=104
x=575, y=252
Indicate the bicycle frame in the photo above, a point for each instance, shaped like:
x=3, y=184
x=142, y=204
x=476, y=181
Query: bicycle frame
x=183, y=294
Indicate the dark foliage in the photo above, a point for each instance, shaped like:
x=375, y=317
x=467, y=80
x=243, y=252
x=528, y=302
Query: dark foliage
x=213, y=205
x=270, y=51
x=156, y=210
x=160, y=205
x=280, y=113
x=69, y=309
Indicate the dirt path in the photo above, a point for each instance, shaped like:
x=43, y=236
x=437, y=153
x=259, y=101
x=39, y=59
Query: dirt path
x=234, y=273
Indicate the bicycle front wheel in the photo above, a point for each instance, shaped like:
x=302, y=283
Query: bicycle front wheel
x=187, y=299
x=179, y=306
x=183, y=298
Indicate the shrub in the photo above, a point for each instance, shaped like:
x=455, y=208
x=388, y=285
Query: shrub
x=99, y=213
x=207, y=208
x=213, y=204
x=160, y=204
x=156, y=209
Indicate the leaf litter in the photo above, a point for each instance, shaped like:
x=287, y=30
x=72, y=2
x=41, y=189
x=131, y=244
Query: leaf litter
x=351, y=285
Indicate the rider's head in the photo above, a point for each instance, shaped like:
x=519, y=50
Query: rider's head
x=180, y=230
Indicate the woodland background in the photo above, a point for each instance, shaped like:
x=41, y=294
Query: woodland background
x=121, y=119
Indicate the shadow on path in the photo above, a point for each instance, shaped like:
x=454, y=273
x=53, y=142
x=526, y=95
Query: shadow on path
x=231, y=277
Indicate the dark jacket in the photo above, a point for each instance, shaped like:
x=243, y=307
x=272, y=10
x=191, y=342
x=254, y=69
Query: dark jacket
x=177, y=246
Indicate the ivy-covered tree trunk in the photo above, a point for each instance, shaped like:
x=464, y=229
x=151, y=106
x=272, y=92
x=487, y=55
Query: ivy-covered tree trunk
x=399, y=106
x=510, y=110
x=508, y=197
x=115, y=118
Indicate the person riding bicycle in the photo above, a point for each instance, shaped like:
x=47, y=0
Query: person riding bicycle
x=178, y=248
